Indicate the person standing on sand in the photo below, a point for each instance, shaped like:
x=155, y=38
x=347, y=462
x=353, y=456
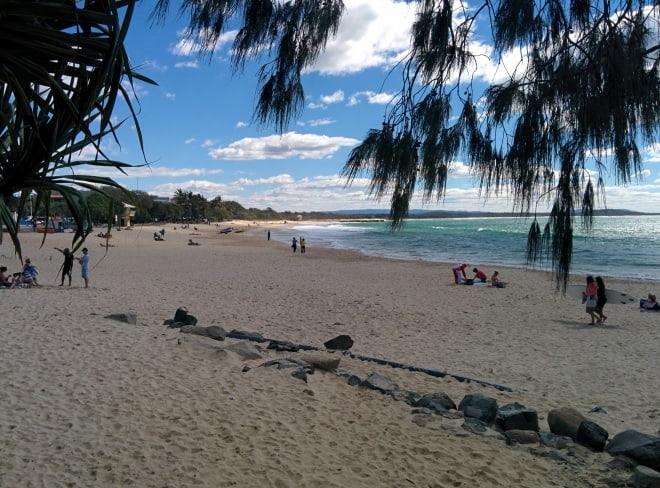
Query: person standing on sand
x=601, y=300
x=84, y=261
x=459, y=269
x=590, y=295
x=67, y=265
x=269, y=235
x=294, y=244
x=302, y=245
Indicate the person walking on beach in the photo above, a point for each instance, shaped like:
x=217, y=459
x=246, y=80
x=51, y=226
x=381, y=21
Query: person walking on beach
x=84, y=262
x=591, y=298
x=294, y=244
x=601, y=299
x=459, y=269
x=67, y=265
x=302, y=245
x=269, y=235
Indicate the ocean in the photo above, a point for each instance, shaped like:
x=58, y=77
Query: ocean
x=621, y=247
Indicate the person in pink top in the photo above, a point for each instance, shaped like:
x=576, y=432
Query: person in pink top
x=591, y=298
x=459, y=269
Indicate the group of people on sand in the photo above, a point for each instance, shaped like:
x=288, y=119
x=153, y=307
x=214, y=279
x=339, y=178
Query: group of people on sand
x=595, y=299
x=479, y=275
x=27, y=278
x=295, y=242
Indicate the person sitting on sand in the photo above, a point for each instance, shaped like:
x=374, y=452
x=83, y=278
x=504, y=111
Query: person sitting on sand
x=4, y=279
x=495, y=280
x=650, y=303
x=157, y=237
x=30, y=273
x=480, y=275
x=192, y=243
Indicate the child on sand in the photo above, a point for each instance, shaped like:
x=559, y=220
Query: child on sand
x=84, y=261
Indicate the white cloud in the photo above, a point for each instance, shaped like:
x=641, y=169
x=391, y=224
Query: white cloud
x=240, y=125
x=315, y=122
x=337, y=96
x=187, y=64
x=170, y=96
x=289, y=145
x=373, y=33
x=372, y=98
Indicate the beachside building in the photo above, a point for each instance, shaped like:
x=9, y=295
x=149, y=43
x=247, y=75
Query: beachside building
x=124, y=220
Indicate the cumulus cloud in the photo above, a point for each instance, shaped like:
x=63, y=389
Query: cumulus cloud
x=289, y=145
x=373, y=33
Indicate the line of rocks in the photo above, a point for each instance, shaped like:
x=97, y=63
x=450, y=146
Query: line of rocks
x=476, y=413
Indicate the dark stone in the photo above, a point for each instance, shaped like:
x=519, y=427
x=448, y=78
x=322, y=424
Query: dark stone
x=437, y=402
x=644, y=477
x=194, y=329
x=515, y=416
x=643, y=448
x=380, y=383
x=216, y=332
x=517, y=436
x=565, y=421
x=283, y=346
x=592, y=435
x=125, y=317
x=556, y=441
x=475, y=426
x=342, y=342
x=175, y=325
x=479, y=406
x=409, y=397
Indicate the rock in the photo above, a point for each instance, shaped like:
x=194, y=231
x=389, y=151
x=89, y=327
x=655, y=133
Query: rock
x=216, y=332
x=342, y=343
x=125, y=317
x=283, y=346
x=322, y=361
x=437, y=402
x=515, y=416
x=380, y=383
x=556, y=441
x=644, y=477
x=565, y=421
x=245, y=350
x=194, y=329
x=476, y=426
x=522, y=436
x=479, y=406
x=592, y=435
x=409, y=397
x=642, y=448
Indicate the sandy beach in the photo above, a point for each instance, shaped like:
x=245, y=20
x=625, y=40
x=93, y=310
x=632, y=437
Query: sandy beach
x=92, y=402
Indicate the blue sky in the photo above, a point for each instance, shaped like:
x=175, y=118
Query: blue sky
x=198, y=136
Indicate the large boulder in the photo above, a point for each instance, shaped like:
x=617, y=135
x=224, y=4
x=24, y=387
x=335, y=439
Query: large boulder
x=342, y=343
x=436, y=402
x=565, y=421
x=592, y=435
x=515, y=416
x=479, y=406
x=642, y=448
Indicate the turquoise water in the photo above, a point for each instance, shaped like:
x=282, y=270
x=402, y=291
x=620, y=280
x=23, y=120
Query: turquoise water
x=624, y=247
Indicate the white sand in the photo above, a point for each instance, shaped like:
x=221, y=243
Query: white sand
x=88, y=401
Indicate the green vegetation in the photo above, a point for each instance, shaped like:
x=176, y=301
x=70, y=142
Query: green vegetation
x=62, y=65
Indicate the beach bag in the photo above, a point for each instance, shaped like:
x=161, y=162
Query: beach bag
x=591, y=302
